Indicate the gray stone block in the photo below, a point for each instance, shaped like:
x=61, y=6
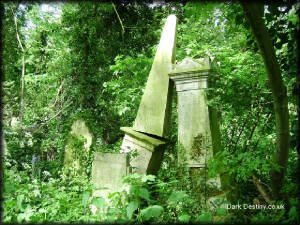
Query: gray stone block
x=149, y=151
x=108, y=169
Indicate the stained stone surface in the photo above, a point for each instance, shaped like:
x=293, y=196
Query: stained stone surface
x=152, y=122
x=154, y=112
x=198, y=128
x=107, y=172
x=78, y=130
x=217, y=201
x=108, y=169
x=149, y=151
x=194, y=126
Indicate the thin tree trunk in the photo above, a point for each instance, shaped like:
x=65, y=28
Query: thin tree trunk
x=123, y=30
x=23, y=64
x=279, y=93
x=23, y=86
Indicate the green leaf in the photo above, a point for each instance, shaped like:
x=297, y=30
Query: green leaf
x=150, y=177
x=99, y=202
x=205, y=217
x=221, y=212
x=85, y=198
x=177, y=196
x=144, y=193
x=42, y=210
x=135, y=176
x=132, y=206
x=185, y=218
x=151, y=211
x=293, y=214
x=20, y=217
x=20, y=199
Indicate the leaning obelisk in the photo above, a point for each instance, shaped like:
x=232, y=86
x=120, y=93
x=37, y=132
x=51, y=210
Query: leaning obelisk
x=152, y=123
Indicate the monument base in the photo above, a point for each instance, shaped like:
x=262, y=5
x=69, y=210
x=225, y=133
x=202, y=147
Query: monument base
x=209, y=190
x=149, y=151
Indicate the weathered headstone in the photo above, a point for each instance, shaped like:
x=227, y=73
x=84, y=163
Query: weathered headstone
x=198, y=128
x=79, y=131
x=107, y=172
x=152, y=123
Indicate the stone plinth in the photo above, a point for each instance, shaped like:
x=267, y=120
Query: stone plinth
x=149, y=151
x=107, y=172
x=198, y=129
x=154, y=112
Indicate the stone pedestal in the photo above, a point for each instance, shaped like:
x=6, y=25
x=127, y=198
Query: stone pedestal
x=198, y=130
x=107, y=172
x=194, y=125
x=146, y=151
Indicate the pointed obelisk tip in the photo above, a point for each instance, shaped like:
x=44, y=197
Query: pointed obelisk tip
x=173, y=16
x=171, y=19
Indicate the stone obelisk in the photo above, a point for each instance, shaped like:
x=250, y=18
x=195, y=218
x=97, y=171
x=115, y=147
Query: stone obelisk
x=153, y=116
x=152, y=123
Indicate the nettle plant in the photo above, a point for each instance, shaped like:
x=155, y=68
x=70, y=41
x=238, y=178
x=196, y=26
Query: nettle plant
x=135, y=202
x=145, y=198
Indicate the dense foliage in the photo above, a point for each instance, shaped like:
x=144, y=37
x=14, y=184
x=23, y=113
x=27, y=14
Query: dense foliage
x=91, y=61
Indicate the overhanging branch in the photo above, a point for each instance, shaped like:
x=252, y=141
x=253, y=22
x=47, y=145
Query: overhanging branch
x=123, y=30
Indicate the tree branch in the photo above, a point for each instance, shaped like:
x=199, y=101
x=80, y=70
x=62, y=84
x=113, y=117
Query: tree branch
x=279, y=93
x=241, y=130
x=59, y=112
x=123, y=31
x=22, y=104
x=58, y=93
x=232, y=135
x=260, y=132
x=22, y=85
x=253, y=129
x=261, y=189
x=16, y=27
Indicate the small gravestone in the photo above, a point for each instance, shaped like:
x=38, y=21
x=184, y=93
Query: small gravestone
x=107, y=172
x=80, y=140
x=108, y=169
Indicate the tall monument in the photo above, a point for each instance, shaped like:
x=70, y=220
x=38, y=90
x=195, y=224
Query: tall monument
x=151, y=126
x=198, y=129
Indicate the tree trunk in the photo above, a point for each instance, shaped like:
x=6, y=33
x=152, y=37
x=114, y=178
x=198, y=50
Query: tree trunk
x=23, y=63
x=279, y=93
x=22, y=87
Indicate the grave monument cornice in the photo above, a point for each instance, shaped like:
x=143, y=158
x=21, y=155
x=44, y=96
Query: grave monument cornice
x=191, y=74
